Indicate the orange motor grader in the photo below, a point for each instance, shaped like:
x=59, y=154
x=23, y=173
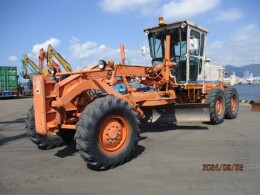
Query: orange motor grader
x=104, y=121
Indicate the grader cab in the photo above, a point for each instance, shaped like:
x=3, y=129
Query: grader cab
x=186, y=49
x=105, y=121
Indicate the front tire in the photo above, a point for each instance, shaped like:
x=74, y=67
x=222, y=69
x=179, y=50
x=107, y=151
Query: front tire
x=216, y=99
x=232, y=103
x=107, y=132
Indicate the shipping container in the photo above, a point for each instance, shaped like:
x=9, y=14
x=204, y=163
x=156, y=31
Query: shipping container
x=8, y=81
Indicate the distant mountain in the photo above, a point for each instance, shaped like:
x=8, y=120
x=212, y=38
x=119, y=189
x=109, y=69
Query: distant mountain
x=239, y=71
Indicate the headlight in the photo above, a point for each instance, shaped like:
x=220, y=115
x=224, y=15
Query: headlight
x=102, y=64
x=183, y=25
x=146, y=33
x=53, y=71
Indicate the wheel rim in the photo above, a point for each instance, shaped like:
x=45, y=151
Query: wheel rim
x=219, y=105
x=113, y=134
x=233, y=103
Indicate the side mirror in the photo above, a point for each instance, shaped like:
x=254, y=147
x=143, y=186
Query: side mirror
x=194, y=43
x=142, y=49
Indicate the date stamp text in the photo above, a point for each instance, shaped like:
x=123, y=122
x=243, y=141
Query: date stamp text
x=222, y=167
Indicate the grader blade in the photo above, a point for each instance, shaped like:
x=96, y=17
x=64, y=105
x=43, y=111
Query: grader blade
x=177, y=113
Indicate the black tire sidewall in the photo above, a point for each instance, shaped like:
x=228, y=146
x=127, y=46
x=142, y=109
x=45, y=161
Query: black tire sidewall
x=211, y=99
x=229, y=114
x=88, y=129
x=44, y=142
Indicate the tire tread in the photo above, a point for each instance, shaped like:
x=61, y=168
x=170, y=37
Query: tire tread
x=85, y=130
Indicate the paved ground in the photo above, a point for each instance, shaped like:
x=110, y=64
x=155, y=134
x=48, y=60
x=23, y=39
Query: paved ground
x=168, y=161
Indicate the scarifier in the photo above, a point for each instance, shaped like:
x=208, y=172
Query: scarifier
x=105, y=120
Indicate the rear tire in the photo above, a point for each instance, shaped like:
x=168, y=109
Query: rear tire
x=107, y=132
x=45, y=142
x=216, y=99
x=232, y=103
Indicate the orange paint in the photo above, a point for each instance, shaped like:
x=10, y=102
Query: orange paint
x=58, y=104
x=113, y=134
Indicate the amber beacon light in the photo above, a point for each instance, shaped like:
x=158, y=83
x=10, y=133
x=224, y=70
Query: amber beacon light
x=161, y=21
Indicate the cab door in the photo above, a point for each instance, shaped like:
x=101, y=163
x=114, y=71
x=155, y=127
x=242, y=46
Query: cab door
x=196, y=39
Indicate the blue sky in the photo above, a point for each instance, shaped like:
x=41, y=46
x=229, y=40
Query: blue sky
x=85, y=31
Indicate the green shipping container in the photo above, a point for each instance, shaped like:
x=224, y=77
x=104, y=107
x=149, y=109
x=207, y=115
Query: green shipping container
x=8, y=81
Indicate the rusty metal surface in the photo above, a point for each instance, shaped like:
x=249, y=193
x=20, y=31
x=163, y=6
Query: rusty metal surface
x=256, y=105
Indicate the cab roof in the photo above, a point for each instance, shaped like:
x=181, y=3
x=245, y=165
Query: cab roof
x=174, y=25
